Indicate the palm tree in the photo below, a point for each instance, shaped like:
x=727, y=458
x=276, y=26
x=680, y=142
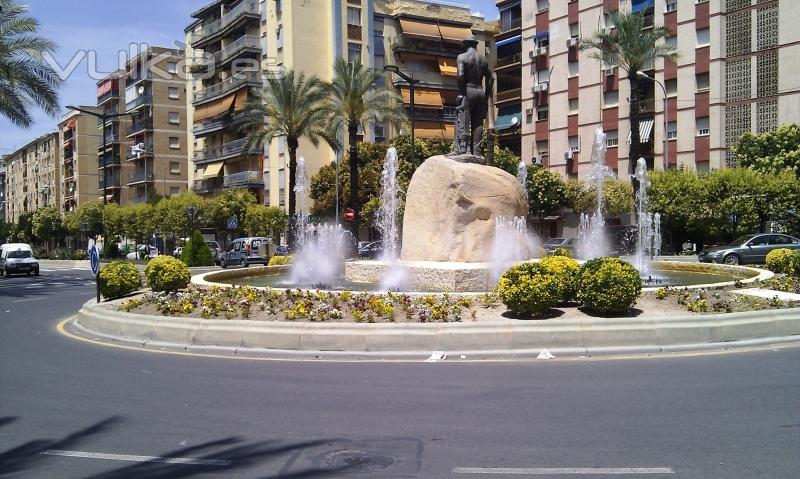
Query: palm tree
x=633, y=48
x=354, y=100
x=288, y=107
x=25, y=78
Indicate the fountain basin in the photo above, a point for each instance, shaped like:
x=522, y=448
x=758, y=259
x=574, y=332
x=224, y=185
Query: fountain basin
x=425, y=275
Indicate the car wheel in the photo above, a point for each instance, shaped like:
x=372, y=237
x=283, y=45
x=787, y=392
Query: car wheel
x=222, y=264
x=36, y=273
x=28, y=274
x=244, y=263
x=731, y=259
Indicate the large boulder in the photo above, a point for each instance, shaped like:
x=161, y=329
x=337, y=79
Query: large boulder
x=451, y=209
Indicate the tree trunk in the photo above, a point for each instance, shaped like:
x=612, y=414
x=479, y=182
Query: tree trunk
x=636, y=143
x=293, y=144
x=352, y=132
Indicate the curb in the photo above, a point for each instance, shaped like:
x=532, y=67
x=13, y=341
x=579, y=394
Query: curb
x=505, y=339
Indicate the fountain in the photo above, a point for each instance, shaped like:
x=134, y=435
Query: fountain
x=396, y=277
x=648, y=227
x=592, y=237
x=511, y=244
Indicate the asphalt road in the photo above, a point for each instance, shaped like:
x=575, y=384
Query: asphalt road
x=74, y=409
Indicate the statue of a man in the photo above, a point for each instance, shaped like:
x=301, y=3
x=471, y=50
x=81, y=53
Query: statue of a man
x=473, y=70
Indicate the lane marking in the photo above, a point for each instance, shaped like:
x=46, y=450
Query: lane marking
x=26, y=300
x=553, y=471
x=131, y=458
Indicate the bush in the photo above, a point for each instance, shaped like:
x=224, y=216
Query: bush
x=527, y=289
x=196, y=252
x=118, y=279
x=111, y=249
x=281, y=260
x=608, y=285
x=566, y=272
x=562, y=252
x=781, y=260
x=165, y=273
x=79, y=254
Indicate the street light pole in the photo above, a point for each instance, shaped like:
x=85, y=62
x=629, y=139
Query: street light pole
x=412, y=82
x=641, y=74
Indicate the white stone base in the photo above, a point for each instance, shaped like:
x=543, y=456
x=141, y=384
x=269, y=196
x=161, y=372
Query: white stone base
x=424, y=275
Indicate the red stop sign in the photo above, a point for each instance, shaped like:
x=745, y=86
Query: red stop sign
x=349, y=214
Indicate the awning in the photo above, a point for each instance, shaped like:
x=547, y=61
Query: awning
x=447, y=66
x=638, y=5
x=509, y=40
x=422, y=97
x=645, y=129
x=509, y=117
x=541, y=36
x=213, y=170
x=198, y=173
x=429, y=129
x=215, y=108
x=449, y=131
x=449, y=97
x=71, y=124
x=241, y=100
x=454, y=33
x=425, y=30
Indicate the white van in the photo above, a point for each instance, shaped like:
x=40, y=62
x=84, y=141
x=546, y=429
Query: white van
x=17, y=258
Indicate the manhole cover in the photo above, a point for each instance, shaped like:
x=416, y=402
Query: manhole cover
x=352, y=460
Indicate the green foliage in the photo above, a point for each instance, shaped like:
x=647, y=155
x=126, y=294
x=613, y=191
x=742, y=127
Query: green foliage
x=172, y=213
x=617, y=197
x=281, y=260
x=111, y=249
x=165, y=273
x=782, y=260
x=677, y=195
x=92, y=214
x=196, y=252
x=22, y=231
x=119, y=279
x=528, y=289
x=771, y=151
x=267, y=221
x=566, y=271
x=547, y=192
x=231, y=203
x=506, y=160
x=608, y=285
x=5, y=230
x=562, y=252
x=46, y=224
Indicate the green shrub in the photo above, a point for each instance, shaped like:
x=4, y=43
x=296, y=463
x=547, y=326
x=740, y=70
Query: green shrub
x=566, y=271
x=196, y=252
x=527, y=289
x=562, y=252
x=79, y=254
x=165, y=273
x=781, y=260
x=281, y=260
x=796, y=264
x=118, y=279
x=608, y=285
x=111, y=249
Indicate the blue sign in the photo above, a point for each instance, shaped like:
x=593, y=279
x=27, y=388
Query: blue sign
x=233, y=224
x=94, y=259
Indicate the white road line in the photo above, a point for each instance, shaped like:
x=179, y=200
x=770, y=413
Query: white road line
x=129, y=458
x=552, y=471
x=26, y=300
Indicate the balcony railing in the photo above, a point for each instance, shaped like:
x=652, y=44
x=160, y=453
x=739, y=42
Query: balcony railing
x=244, y=8
x=213, y=125
x=140, y=177
x=137, y=76
x=403, y=43
x=228, y=85
x=509, y=60
x=207, y=186
x=448, y=113
x=244, y=178
x=111, y=138
x=110, y=94
x=110, y=160
x=139, y=125
x=513, y=94
x=513, y=24
x=247, y=41
x=232, y=148
x=142, y=100
x=112, y=182
x=647, y=105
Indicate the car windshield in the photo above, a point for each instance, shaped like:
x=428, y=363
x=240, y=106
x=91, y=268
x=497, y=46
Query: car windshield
x=553, y=241
x=741, y=240
x=20, y=253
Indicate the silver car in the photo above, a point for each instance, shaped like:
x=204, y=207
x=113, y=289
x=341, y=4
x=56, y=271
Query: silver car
x=16, y=259
x=246, y=251
x=751, y=249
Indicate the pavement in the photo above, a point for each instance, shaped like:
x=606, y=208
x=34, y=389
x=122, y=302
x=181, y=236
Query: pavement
x=72, y=409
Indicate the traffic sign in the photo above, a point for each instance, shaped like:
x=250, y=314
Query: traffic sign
x=94, y=259
x=349, y=214
x=233, y=224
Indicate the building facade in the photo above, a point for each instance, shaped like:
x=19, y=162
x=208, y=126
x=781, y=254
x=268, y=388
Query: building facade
x=32, y=177
x=2, y=189
x=78, y=138
x=112, y=165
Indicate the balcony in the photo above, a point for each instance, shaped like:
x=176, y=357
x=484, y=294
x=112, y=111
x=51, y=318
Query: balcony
x=107, y=96
x=511, y=24
x=247, y=42
x=244, y=178
x=508, y=95
x=135, y=77
x=139, y=125
x=108, y=161
x=108, y=183
x=221, y=152
x=447, y=114
x=647, y=105
x=111, y=139
x=515, y=59
x=139, y=102
x=207, y=186
x=140, y=177
x=147, y=153
x=246, y=8
x=404, y=44
x=210, y=126
x=226, y=86
x=69, y=174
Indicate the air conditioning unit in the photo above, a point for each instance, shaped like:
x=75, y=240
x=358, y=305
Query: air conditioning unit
x=529, y=111
x=540, y=87
x=609, y=72
x=532, y=54
x=541, y=51
x=568, y=155
x=536, y=160
x=572, y=42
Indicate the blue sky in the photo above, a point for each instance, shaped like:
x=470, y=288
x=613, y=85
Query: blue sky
x=108, y=27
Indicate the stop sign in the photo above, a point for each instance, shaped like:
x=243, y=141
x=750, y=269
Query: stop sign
x=349, y=214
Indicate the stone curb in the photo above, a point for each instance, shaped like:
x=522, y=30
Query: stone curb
x=505, y=339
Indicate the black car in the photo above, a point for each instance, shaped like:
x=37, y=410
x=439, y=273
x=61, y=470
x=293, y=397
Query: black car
x=371, y=250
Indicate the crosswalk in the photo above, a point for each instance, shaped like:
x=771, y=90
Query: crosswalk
x=48, y=279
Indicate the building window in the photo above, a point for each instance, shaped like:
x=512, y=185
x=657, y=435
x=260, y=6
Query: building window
x=574, y=144
x=574, y=30
x=702, y=126
x=173, y=93
x=671, y=86
x=174, y=142
x=573, y=105
x=543, y=76
x=611, y=98
x=672, y=5
x=354, y=16
x=702, y=81
x=542, y=5
x=282, y=145
x=174, y=190
x=672, y=130
x=172, y=67
x=174, y=118
x=542, y=147
x=573, y=69
x=380, y=133
x=353, y=52
x=612, y=138
x=542, y=112
x=174, y=167
x=671, y=41
x=703, y=37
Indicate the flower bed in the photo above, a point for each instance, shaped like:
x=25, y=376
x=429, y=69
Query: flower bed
x=726, y=301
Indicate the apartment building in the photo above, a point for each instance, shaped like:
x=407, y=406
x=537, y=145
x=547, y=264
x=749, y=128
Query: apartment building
x=32, y=177
x=735, y=74
x=112, y=164
x=2, y=189
x=155, y=102
x=78, y=138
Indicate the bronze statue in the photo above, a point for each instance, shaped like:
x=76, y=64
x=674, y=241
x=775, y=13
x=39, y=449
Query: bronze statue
x=475, y=83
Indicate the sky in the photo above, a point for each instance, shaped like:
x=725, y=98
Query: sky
x=87, y=29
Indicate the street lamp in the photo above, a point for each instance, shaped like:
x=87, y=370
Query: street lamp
x=642, y=74
x=191, y=213
x=411, y=83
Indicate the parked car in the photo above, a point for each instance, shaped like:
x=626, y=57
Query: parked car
x=566, y=243
x=371, y=250
x=142, y=252
x=282, y=250
x=17, y=258
x=245, y=251
x=215, y=250
x=751, y=249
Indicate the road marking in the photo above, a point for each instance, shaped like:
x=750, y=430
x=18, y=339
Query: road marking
x=130, y=458
x=552, y=471
x=26, y=300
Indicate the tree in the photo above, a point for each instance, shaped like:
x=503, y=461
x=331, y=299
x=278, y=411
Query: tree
x=267, y=221
x=771, y=151
x=23, y=229
x=5, y=231
x=546, y=192
x=25, y=78
x=288, y=107
x=354, y=100
x=47, y=226
x=173, y=218
x=140, y=222
x=633, y=48
x=678, y=196
x=92, y=214
x=617, y=197
x=230, y=204
x=197, y=251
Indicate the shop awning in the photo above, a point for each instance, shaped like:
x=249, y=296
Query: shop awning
x=447, y=66
x=215, y=108
x=416, y=28
x=422, y=97
x=213, y=170
x=429, y=129
x=454, y=33
x=509, y=40
x=638, y=5
x=509, y=117
x=645, y=129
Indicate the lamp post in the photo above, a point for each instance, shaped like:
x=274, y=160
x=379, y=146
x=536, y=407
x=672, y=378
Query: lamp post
x=191, y=213
x=641, y=74
x=411, y=83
